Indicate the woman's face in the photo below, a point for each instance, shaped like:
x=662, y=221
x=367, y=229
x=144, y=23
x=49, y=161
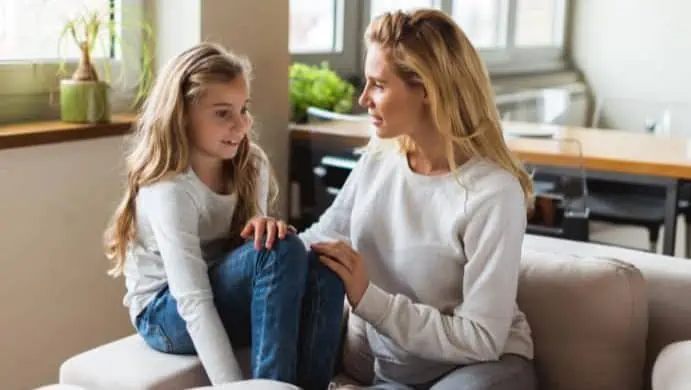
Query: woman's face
x=395, y=108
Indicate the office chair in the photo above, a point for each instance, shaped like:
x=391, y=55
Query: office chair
x=637, y=204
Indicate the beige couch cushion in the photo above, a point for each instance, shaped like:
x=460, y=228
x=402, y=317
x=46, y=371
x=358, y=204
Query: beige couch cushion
x=129, y=363
x=667, y=279
x=589, y=320
x=671, y=370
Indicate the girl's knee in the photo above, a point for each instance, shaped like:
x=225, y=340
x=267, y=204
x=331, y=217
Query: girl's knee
x=329, y=281
x=290, y=246
x=288, y=255
x=320, y=268
x=334, y=291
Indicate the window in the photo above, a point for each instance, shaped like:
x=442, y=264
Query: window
x=539, y=23
x=515, y=35
x=512, y=36
x=484, y=21
x=378, y=7
x=30, y=53
x=325, y=30
x=21, y=43
x=315, y=26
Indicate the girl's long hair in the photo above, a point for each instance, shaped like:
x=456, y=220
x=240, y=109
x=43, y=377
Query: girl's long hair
x=159, y=146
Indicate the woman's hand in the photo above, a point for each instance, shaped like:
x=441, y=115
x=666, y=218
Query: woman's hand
x=269, y=226
x=347, y=263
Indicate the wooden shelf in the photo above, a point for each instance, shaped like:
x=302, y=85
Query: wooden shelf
x=47, y=132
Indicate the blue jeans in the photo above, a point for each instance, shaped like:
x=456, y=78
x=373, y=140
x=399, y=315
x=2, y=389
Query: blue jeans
x=282, y=302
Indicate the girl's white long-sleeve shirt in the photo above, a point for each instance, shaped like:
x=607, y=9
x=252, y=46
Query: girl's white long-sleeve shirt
x=181, y=224
x=443, y=257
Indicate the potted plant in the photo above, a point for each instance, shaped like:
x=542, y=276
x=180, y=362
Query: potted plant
x=84, y=97
x=318, y=86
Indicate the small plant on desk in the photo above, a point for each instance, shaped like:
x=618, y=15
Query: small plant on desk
x=318, y=86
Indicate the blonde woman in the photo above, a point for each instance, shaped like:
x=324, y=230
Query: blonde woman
x=197, y=186
x=427, y=234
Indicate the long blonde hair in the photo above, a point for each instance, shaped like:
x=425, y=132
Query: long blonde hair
x=159, y=146
x=426, y=47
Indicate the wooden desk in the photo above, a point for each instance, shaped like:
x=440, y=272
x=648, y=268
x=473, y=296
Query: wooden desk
x=603, y=150
x=610, y=154
x=617, y=151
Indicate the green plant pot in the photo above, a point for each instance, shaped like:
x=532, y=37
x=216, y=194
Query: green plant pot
x=84, y=101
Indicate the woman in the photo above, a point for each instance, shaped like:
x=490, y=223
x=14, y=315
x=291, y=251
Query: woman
x=426, y=233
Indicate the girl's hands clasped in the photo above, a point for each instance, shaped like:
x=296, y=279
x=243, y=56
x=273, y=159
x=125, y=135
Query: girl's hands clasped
x=347, y=263
x=261, y=226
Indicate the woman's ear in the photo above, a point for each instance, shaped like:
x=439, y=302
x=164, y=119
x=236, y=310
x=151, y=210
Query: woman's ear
x=425, y=95
x=419, y=89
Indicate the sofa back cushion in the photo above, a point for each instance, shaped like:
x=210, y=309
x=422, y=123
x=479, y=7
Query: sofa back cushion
x=667, y=280
x=589, y=320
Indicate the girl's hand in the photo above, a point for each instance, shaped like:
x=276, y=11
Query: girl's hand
x=347, y=263
x=266, y=225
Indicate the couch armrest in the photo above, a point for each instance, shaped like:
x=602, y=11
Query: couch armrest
x=671, y=369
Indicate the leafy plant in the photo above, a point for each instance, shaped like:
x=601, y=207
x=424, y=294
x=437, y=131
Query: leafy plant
x=87, y=30
x=318, y=86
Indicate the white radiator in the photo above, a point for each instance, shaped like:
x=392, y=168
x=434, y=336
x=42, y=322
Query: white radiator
x=563, y=105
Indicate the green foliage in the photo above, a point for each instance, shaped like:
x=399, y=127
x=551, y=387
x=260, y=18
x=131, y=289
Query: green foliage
x=318, y=86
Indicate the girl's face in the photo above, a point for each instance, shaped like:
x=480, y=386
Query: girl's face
x=220, y=119
x=395, y=107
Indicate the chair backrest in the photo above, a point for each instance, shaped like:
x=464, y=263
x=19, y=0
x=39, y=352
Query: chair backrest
x=553, y=105
x=641, y=115
x=564, y=105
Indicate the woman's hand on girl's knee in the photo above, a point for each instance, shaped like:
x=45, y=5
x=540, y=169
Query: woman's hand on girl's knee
x=266, y=227
x=347, y=263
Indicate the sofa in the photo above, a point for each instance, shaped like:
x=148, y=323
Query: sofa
x=603, y=318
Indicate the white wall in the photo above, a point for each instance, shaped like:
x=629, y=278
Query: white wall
x=637, y=49
x=257, y=29
x=55, y=297
x=177, y=25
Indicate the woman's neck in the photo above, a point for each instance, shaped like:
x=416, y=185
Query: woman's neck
x=429, y=157
x=209, y=170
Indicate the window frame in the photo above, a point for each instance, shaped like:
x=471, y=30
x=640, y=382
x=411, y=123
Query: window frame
x=345, y=58
x=30, y=86
x=504, y=61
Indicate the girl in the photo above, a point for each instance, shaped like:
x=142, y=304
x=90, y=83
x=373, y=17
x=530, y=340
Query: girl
x=431, y=229
x=194, y=181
